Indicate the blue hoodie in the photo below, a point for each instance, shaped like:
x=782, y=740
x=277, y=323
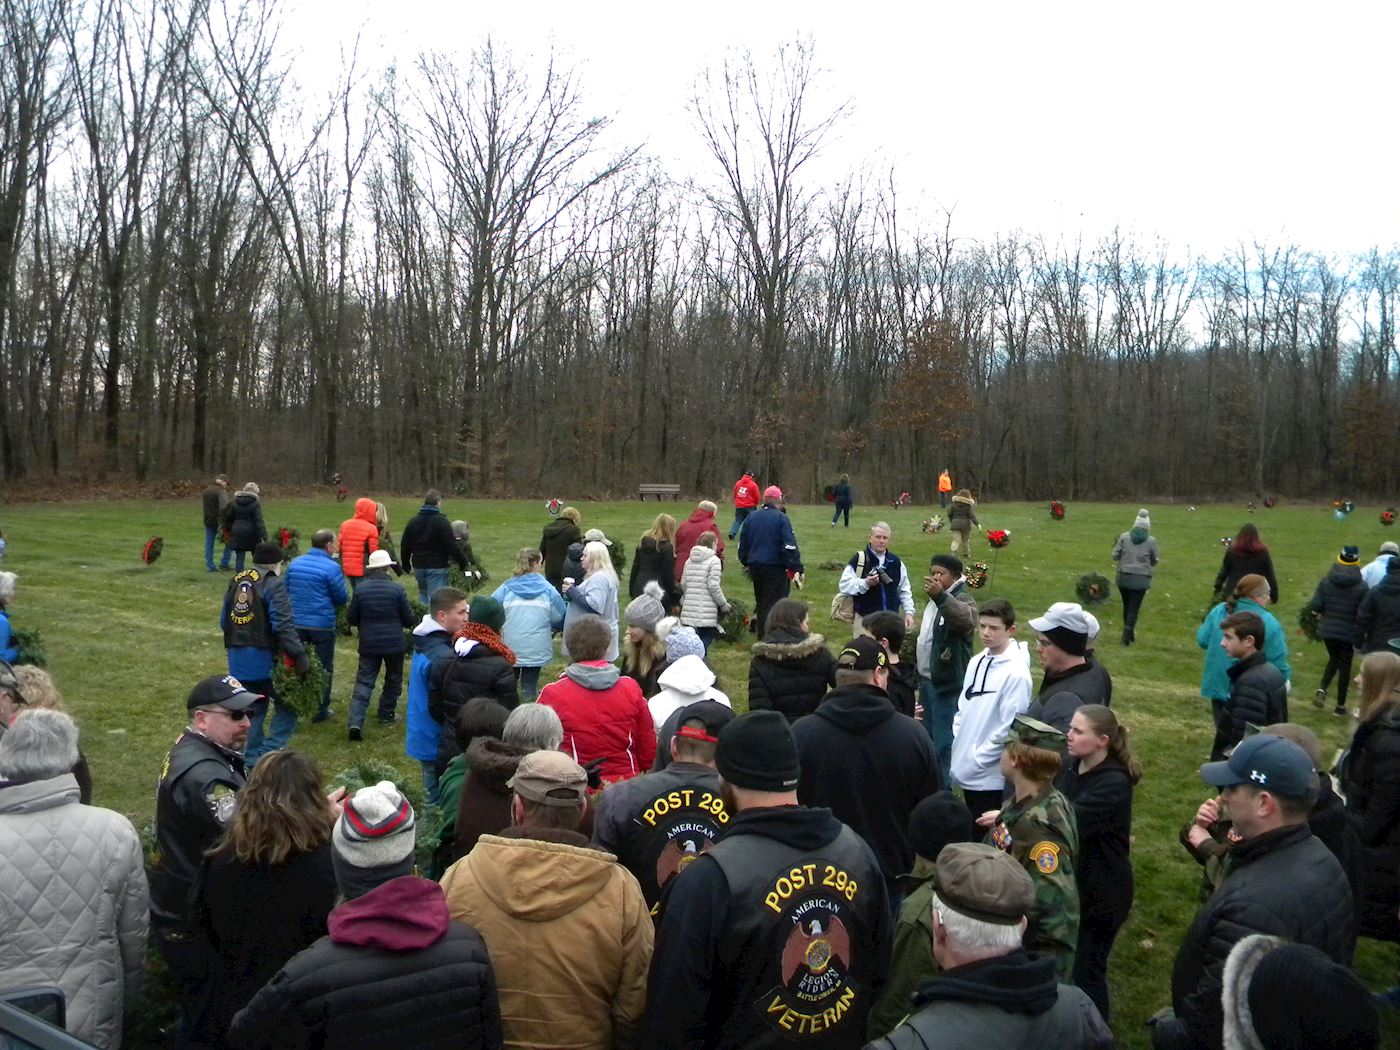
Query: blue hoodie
x=432, y=655
x=534, y=611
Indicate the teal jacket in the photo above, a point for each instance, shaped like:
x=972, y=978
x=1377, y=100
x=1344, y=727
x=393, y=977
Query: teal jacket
x=1215, y=684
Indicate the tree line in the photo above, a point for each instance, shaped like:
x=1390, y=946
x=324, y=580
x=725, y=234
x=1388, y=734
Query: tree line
x=450, y=274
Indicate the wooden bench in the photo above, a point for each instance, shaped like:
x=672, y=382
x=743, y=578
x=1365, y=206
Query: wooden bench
x=659, y=491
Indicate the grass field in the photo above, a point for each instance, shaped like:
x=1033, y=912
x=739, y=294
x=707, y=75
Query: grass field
x=125, y=642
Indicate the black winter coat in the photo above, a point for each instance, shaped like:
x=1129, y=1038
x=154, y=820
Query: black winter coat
x=1233, y=568
x=427, y=541
x=482, y=672
x=1370, y=779
x=1378, y=617
x=558, y=536
x=216, y=498
x=654, y=560
x=1103, y=809
x=1338, y=598
x=903, y=687
x=870, y=766
x=789, y=674
x=379, y=608
x=1258, y=696
x=1062, y=695
x=1285, y=883
x=244, y=519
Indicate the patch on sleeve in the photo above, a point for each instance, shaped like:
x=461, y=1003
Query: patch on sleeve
x=220, y=800
x=1046, y=857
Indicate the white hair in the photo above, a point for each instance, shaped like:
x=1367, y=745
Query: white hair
x=597, y=559
x=708, y=506
x=534, y=725
x=7, y=586
x=40, y=745
x=973, y=937
x=882, y=525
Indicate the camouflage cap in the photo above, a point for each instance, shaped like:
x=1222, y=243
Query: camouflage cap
x=983, y=883
x=1034, y=733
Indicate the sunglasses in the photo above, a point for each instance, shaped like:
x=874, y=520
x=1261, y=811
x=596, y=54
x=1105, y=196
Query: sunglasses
x=233, y=716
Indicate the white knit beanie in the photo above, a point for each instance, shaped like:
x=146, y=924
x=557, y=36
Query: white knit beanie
x=1142, y=521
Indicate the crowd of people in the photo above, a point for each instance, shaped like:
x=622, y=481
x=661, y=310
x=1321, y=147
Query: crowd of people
x=879, y=853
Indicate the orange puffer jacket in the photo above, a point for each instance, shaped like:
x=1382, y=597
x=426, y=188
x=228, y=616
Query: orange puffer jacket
x=358, y=537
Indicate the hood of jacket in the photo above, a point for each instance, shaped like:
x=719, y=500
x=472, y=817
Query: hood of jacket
x=529, y=585
x=402, y=915
x=494, y=761
x=856, y=708
x=783, y=646
x=701, y=554
x=1244, y=958
x=597, y=675
x=965, y=499
x=245, y=498
x=365, y=509
x=35, y=795
x=800, y=827
x=1019, y=982
x=539, y=876
x=559, y=527
x=1344, y=575
x=700, y=517
x=688, y=675
x=423, y=634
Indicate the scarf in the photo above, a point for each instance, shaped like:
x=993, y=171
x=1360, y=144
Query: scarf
x=483, y=635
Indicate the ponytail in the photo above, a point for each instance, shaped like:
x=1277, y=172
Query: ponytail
x=1105, y=723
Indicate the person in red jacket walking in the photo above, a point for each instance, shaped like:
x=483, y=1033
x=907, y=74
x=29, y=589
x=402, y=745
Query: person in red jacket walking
x=746, y=500
x=701, y=521
x=604, y=714
x=359, y=538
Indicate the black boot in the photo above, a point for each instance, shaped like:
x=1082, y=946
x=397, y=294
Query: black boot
x=1128, y=638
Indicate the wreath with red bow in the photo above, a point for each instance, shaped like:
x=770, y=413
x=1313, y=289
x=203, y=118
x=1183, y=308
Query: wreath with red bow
x=1057, y=510
x=151, y=551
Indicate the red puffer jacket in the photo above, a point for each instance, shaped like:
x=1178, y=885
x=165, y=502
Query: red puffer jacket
x=605, y=716
x=358, y=537
x=690, y=530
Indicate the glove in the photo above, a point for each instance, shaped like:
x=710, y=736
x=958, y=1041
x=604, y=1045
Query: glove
x=476, y=573
x=726, y=610
x=594, y=770
x=303, y=664
x=462, y=646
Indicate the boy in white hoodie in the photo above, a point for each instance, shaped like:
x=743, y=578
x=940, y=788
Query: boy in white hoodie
x=996, y=688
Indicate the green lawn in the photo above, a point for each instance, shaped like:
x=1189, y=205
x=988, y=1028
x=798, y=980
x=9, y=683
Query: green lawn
x=126, y=641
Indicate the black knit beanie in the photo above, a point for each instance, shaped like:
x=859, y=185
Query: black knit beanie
x=1072, y=642
x=758, y=751
x=938, y=821
x=1299, y=999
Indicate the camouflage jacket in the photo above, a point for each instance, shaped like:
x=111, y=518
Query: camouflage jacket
x=1042, y=834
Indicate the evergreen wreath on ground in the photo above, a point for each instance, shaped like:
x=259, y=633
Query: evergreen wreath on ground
x=1093, y=588
x=736, y=625
x=976, y=575
x=30, y=646
x=300, y=694
x=1308, y=621
x=289, y=539
x=1057, y=510
x=151, y=551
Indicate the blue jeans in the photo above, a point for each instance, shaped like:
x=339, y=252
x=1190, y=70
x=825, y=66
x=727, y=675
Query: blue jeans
x=528, y=679
x=707, y=637
x=429, y=580
x=322, y=640
x=430, y=781
x=277, y=733
x=740, y=513
x=238, y=559
x=211, y=533
x=364, y=686
x=939, y=709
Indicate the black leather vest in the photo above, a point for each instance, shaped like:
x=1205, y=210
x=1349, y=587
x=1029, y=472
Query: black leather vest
x=671, y=825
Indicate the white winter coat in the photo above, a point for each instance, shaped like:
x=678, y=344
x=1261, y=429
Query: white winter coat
x=702, y=598
x=73, y=903
x=687, y=681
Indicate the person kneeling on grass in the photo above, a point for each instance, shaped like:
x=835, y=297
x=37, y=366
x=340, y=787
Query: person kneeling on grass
x=379, y=608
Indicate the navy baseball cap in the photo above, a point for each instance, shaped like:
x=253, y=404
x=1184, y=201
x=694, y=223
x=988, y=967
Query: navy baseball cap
x=1270, y=763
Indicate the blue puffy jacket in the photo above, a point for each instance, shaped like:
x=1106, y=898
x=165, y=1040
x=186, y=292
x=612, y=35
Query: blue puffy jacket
x=534, y=611
x=432, y=656
x=379, y=608
x=1215, y=683
x=317, y=588
x=768, y=539
x=8, y=650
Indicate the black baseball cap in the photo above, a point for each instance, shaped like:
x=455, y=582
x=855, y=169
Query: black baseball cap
x=1270, y=763
x=713, y=717
x=223, y=691
x=862, y=654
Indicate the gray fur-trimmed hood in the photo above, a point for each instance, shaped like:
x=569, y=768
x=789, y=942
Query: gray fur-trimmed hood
x=1244, y=959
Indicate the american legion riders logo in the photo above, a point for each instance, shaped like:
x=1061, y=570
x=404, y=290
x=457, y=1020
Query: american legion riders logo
x=814, y=947
x=673, y=831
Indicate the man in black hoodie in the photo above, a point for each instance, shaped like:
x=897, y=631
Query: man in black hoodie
x=865, y=762
x=778, y=933
x=992, y=992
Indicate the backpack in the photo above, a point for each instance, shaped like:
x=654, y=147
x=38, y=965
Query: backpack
x=843, y=606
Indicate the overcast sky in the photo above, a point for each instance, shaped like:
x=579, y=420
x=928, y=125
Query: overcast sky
x=1203, y=123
